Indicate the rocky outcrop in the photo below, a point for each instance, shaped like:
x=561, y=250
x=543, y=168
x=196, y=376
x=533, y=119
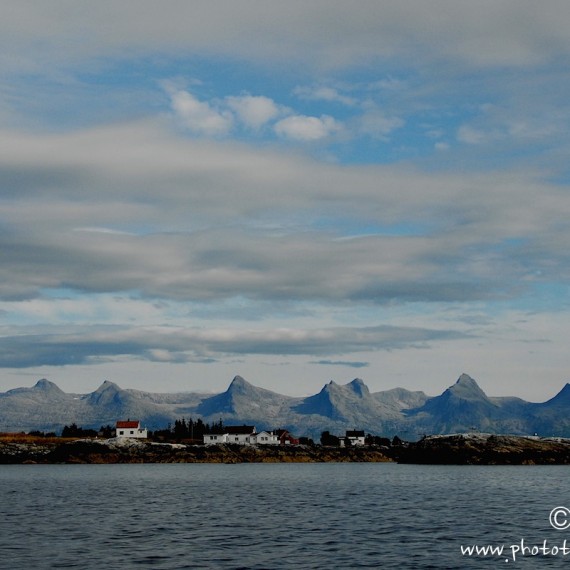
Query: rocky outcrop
x=485, y=449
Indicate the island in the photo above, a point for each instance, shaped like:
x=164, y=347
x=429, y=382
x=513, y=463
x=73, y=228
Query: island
x=454, y=449
x=127, y=450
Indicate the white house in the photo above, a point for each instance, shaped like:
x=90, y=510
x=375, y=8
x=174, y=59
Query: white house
x=356, y=437
x=130, y=429
x=233, y=434
x=264, y=438
x=215, y=438
x=241, y=435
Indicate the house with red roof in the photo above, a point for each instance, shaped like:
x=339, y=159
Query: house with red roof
x=130, y=428
x=285, y=438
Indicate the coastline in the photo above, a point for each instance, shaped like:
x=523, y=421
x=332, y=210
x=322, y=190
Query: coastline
x=124, y=450
x=487, y=449
x=455, y=449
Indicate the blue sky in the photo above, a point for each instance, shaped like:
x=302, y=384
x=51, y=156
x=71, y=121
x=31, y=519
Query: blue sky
x=293, y=192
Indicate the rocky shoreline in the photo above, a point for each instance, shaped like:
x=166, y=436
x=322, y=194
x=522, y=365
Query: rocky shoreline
x=456, y=449
x=486, y=449
x=123, y=450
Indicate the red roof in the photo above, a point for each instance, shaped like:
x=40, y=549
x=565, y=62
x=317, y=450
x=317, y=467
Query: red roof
x=128, y=424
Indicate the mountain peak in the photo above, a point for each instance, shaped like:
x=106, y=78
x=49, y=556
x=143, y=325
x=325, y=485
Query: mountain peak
x=467, y=388
x=107, y=385
x=562, y=398
x=241, y=399
x=46, y=386
x=465, y=379
x=239, y=380
x=359, y=387
x=239, y=384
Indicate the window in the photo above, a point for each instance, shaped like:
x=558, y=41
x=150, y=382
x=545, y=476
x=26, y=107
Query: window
x=132, y=432
x=121, y=432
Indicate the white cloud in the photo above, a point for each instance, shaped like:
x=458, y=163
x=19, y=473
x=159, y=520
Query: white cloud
x=324, y=94
x=469, y=135
x=189, y=221
x=199, y=116
x=303, y=128
x=482, y=33
x=253, y=111
x=201, y=220
x=376, y=124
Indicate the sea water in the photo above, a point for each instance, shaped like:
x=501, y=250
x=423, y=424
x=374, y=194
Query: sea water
x=266, y=516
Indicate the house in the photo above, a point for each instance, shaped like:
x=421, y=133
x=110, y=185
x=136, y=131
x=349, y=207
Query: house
x=285, y=438
x=130, y=429
x=264, y=438
x=355, y=437
x=241, y=435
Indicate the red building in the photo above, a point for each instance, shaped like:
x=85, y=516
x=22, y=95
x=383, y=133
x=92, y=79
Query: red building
x=285, y=438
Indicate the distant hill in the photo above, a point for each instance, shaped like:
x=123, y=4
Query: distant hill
x=461, y=407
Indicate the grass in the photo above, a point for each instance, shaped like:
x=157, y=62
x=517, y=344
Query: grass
x=27, y=438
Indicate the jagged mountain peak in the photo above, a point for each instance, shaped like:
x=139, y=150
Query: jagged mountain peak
x=356, y=386
x=107, y=392
x=106, y=386
x=359, y=387
x=465, y=379
x=350, y=402
x=562, y=398
x=463, y=406
x=565, y=391
x=239, y=383
x=243, y=399
x=328, y=387
x=47, y=386
x=467, y=388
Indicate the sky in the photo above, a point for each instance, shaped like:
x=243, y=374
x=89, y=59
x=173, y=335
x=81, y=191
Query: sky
x=295, y=192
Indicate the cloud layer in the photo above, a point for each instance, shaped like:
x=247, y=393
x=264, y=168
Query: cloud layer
x=136, y=209
x=324, y=33
x=312, y=182
x=171, y=344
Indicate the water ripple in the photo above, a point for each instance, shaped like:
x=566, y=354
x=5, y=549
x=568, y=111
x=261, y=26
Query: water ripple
x=261, y=517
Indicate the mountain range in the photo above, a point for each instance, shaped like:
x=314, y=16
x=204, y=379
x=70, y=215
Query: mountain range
x=464, y=406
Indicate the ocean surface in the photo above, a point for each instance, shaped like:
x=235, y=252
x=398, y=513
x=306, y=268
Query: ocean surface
x=265, y=516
